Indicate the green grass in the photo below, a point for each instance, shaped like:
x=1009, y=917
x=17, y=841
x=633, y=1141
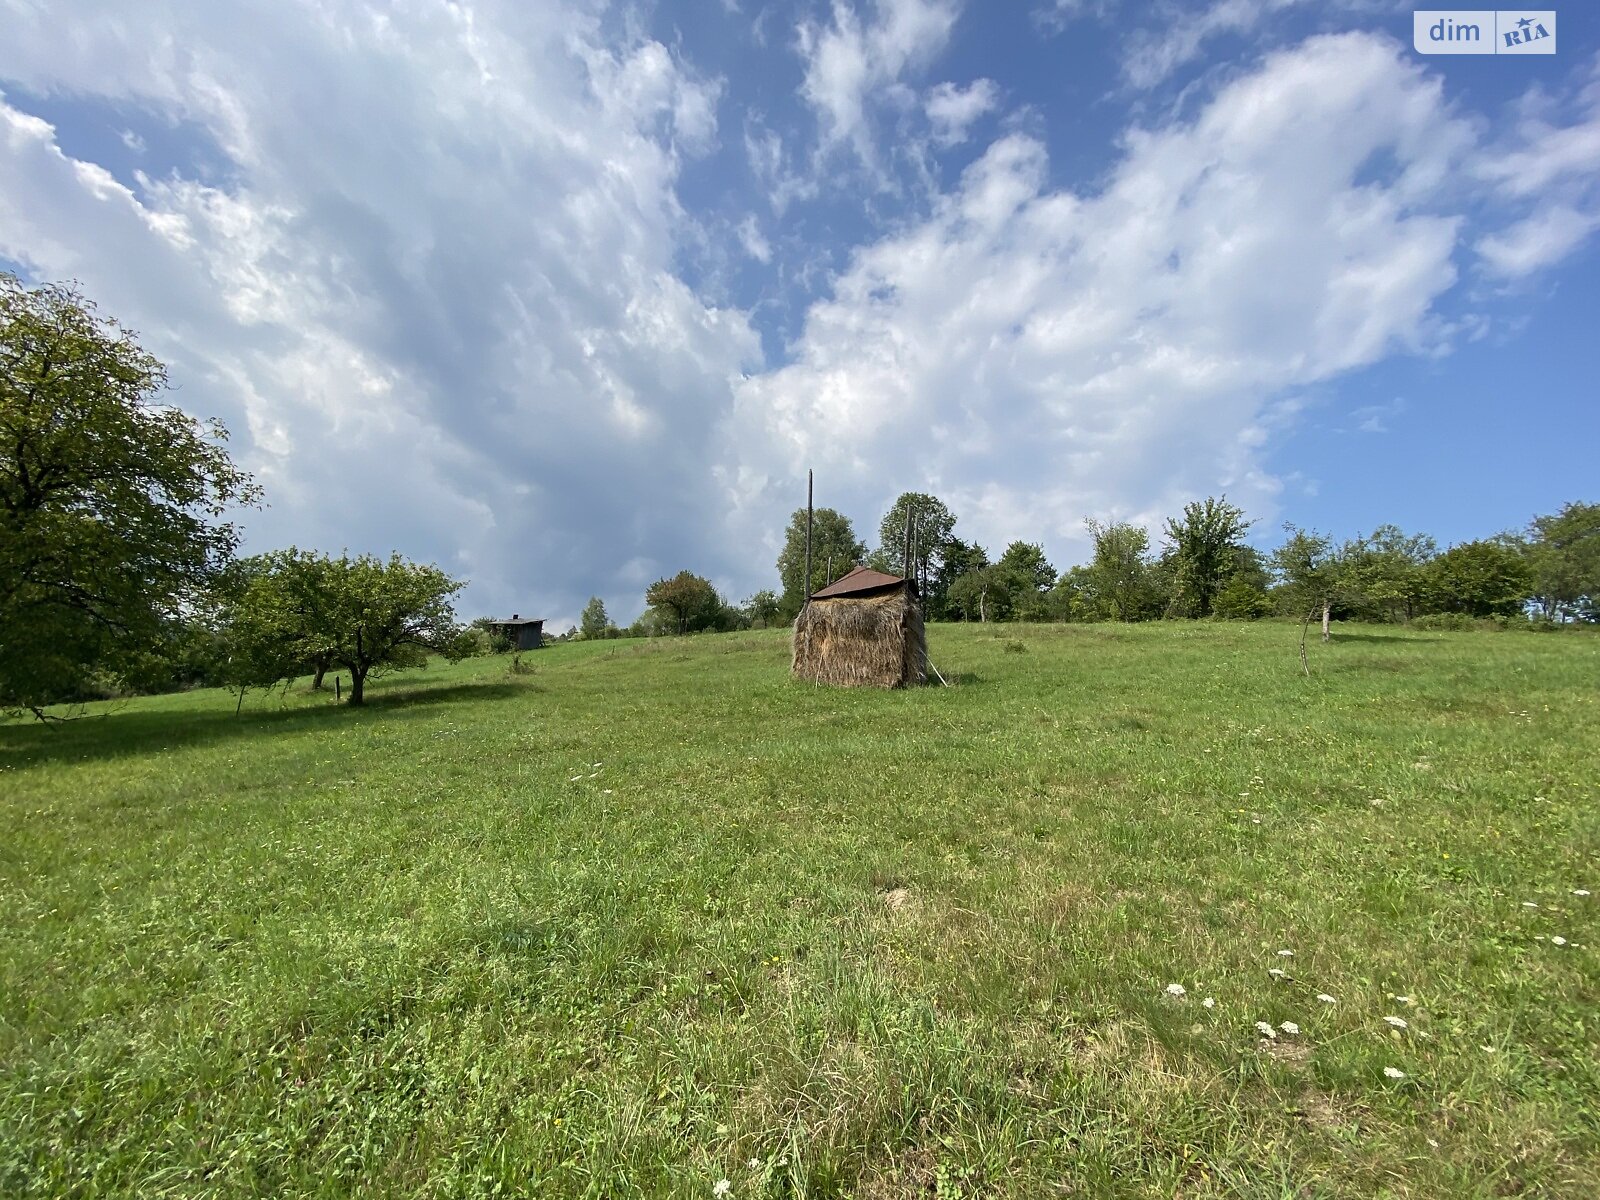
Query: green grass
x=877, y=944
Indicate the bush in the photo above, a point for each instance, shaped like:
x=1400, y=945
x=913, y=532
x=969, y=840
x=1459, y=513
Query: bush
x=1444, y=623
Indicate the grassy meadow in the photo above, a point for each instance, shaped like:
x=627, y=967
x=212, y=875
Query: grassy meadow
x=654, y=916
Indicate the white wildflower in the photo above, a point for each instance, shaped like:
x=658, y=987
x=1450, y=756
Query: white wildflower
x=575, y=779
x=1400, y=999
x=1327, y=999
x=1208, y=1002
x=1529, y=904
x=1558, y=941
x=1289, y=1027
x=1266, y=1029
x=1580, y=891
x=722, y=1187
x=1397, y=1022
x=1487, y=1049
x=1285, y=953
x=754, y=1164
x=607, y=792
x=1277, y=974
x=595, y=765
x=1177, y=989
x=1394, y=1072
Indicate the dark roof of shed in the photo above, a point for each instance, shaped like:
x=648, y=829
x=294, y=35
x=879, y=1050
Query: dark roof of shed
x=516, y=620
x=858, y=582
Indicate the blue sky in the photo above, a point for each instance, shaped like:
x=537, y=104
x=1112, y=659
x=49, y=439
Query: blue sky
x=566, y=297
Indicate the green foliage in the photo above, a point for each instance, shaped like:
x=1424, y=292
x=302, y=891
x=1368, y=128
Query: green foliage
x=109, y=500
x=833, y=539
x=497, y=639
x=1118, y=583
x=689, y=602
x=763, y=609
x=595, y=623
x=934, y=526
x=1479, y=579
x=1241, y=599
x=1309, y=572
x=295, y=608
x=956, y=558
x=1564, y=553
x=885, y=945
x=1201, y=551
x=1384, y=575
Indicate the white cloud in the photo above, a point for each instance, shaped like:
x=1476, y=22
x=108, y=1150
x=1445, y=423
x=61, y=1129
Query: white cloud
x=1037, y=355
x=436, y=300
x=952, y=110
x=754, y=243
x=1181, y=35
x=1538, y=241
x=850, y=59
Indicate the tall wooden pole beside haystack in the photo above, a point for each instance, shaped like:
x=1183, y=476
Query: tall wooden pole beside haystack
x=805, y=592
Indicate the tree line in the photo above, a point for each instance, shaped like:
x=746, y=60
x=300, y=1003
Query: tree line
x=1547, y=574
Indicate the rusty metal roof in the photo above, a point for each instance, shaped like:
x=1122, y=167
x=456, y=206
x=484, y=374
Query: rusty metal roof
x=858, y=582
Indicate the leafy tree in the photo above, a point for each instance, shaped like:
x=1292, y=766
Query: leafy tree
x=1480, y=579
x=1117, y=582
x=1384, y=574
x=690, y=601
x=110, y=502
x=1026, y=564
x=1564, y=552
x=494, y=636
x=594, y=622
x=763, y=609
x=365, y=614
x=1311, y=573
x=933, y=525
x=833, y=538
x=1200, y=551
x=984, y=594
x=956, y=558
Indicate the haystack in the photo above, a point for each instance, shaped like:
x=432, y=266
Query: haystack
x=864, y=630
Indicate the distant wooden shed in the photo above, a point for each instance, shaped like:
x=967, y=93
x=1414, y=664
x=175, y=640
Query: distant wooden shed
x=863, y=630
x=526, y=633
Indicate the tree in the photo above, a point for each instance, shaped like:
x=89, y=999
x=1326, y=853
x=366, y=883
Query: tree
x=595, y=622
x=763, y=609
x=932, y=525
x=690, y=601
x=1026, y=576
x=833, y=539
x=1117, y=581
x=1384, y=574
x=110, y=502
x=1480, y=579
x=1310, y=572
x=956, y=558
x=1200, y=549
x=365, y=614
x=984, y=594
x=1564, y=553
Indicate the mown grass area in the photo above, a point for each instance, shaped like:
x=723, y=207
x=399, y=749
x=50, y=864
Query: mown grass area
x=656, y=916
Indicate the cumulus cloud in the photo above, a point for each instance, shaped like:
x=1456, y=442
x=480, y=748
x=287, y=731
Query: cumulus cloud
x=436, y=300
x=952, y=109
x=851, y=59
x=1036, y=354
x=1548, y=168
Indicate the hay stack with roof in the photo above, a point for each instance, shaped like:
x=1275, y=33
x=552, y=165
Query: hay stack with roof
x=863, y=630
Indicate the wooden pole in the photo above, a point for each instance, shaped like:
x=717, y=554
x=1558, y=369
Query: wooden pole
x=805, y=594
